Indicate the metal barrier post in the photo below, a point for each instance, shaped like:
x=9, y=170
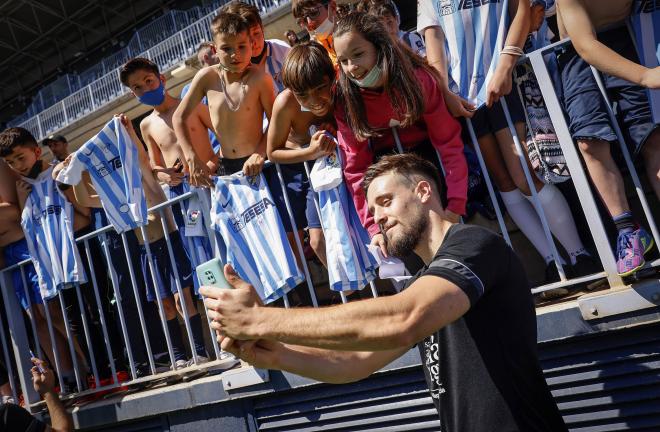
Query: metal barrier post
x=88, y=338
x=296, y=236
x=104, y=329
x=532, y=189
x=70, y=339
x=5, y=355
x=159, y=299
x=575, y=166
x=56, y=355
x=19, y=338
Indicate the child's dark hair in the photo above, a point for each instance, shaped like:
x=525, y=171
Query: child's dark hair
x=248, y=12
x=398, y=64
x=229, y=24
x=378, y=8
x=134, y=65
x=408, y=165
x=298, y=6
x=15, y=137
x=305, y=67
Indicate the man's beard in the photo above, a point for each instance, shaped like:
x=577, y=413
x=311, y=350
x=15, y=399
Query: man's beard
x=409, y=238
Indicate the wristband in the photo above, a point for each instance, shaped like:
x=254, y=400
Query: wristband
x=512, y=50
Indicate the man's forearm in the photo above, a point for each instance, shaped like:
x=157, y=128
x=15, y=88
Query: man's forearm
x=372, y=325
x=60, y=419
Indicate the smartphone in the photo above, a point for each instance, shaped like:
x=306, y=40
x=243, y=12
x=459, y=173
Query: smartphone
x=38, y=365
x=212, y=273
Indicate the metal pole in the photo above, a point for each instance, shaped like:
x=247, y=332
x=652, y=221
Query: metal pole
x=88, y=338
x=70, y=340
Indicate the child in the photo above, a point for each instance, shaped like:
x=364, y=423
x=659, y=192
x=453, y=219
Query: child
x=319, y=18
x=268, y=55
x=22, y=154
x=308, y=75
x=600, y=38
x=147, y=84
x=382, y=85
x=468, y=87
x=388, y=12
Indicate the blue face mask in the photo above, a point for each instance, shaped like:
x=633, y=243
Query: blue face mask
x=153, y=97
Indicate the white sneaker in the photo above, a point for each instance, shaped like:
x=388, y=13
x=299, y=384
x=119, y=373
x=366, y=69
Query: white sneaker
x=200, y=360
x=180, y=364
x=7, y=399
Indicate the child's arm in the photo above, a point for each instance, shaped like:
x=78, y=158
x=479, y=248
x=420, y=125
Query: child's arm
x=23, y=190
x=199, y=172
x=279, y=129
x=501, y=83
x=581, y=31
x=205, y=117
x=8, y=179
x=164, y=174
x=255, y=162
x=70, y=195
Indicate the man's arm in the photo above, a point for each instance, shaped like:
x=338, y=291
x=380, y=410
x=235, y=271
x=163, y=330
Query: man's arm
x=335, y=367
x=199, y=173
x=378, y=324
x=44, y=383
x=579, y=27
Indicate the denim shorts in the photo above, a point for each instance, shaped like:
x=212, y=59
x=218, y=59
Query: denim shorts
x=585, y=107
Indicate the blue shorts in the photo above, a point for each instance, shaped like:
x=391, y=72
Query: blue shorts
x=165, y=277
x=298, y=191
x=15, y=253
x=585, y=107
x=490, y=120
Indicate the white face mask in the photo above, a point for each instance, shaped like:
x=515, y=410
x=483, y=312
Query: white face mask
x=371, y=79
x=324, y=30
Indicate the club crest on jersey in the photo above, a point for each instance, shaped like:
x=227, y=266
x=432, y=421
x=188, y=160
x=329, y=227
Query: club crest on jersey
x=193, y=217
x=446, y=7
x=332, y=160
x=254, y=181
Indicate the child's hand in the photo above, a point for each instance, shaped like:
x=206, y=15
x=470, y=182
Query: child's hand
x=253, y=165
x=23, y=190
x=200, y=175
x=321, y=145
x=651, y=79
x=457, y=106
x=170, y=176
x=501, y=83
x=43, y=382
x=329, y=127
x=126, y=122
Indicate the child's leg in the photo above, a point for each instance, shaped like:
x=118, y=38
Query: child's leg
x=317, y=242
x=170, y=310
x=38, y=318
x=59, y=325
x=651, y=154
x=194, y=319
x=558, y=215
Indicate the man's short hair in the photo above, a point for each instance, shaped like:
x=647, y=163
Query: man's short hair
x=305, y=67
x=299, y=6
x=408, y=165
x=228, y=24
x=53, y=138
x=248, y=12
x=15, y=137
x=134, y=65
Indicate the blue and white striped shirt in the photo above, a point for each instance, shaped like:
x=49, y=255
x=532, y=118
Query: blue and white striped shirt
x=243, y=212
x=350, y=265
x=47, y=221
x=275, y=55
x=112, y=160
x=475, y=32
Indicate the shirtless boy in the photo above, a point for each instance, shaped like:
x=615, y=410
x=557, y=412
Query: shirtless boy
x=600, y=38
x=306, y=102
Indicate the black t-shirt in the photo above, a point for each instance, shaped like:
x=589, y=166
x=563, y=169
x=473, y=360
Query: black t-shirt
x=483, y=370
x=13, y=418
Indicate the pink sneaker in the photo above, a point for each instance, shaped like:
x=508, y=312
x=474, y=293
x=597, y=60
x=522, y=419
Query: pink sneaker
x=630, y=250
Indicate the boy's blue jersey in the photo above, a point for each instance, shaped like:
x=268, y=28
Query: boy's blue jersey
x=244, y=213
x=645, y=23
x=112, y=160
x=47, y=221
x=350, y=265
x=475, y=32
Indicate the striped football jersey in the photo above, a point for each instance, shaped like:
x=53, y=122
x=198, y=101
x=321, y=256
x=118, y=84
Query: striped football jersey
x=47, y=221
x=112, y=160
x=244, y=213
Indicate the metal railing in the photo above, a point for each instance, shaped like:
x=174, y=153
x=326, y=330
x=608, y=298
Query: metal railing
x=99, y=85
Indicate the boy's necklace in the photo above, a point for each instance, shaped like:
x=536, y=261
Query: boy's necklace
x=223, y=86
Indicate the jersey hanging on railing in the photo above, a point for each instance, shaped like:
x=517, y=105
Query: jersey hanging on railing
x=645, y=23
x=350, y=265
x=244, y=213
x=474, y=36
x=112, y=160
x=47, y=221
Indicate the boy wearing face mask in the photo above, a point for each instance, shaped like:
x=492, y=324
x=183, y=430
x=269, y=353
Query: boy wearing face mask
x=318, y=17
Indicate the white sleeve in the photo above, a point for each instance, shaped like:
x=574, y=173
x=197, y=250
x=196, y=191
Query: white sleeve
x=417, y=44
x=72, y=174
x=426, y=15
x=279, y=49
